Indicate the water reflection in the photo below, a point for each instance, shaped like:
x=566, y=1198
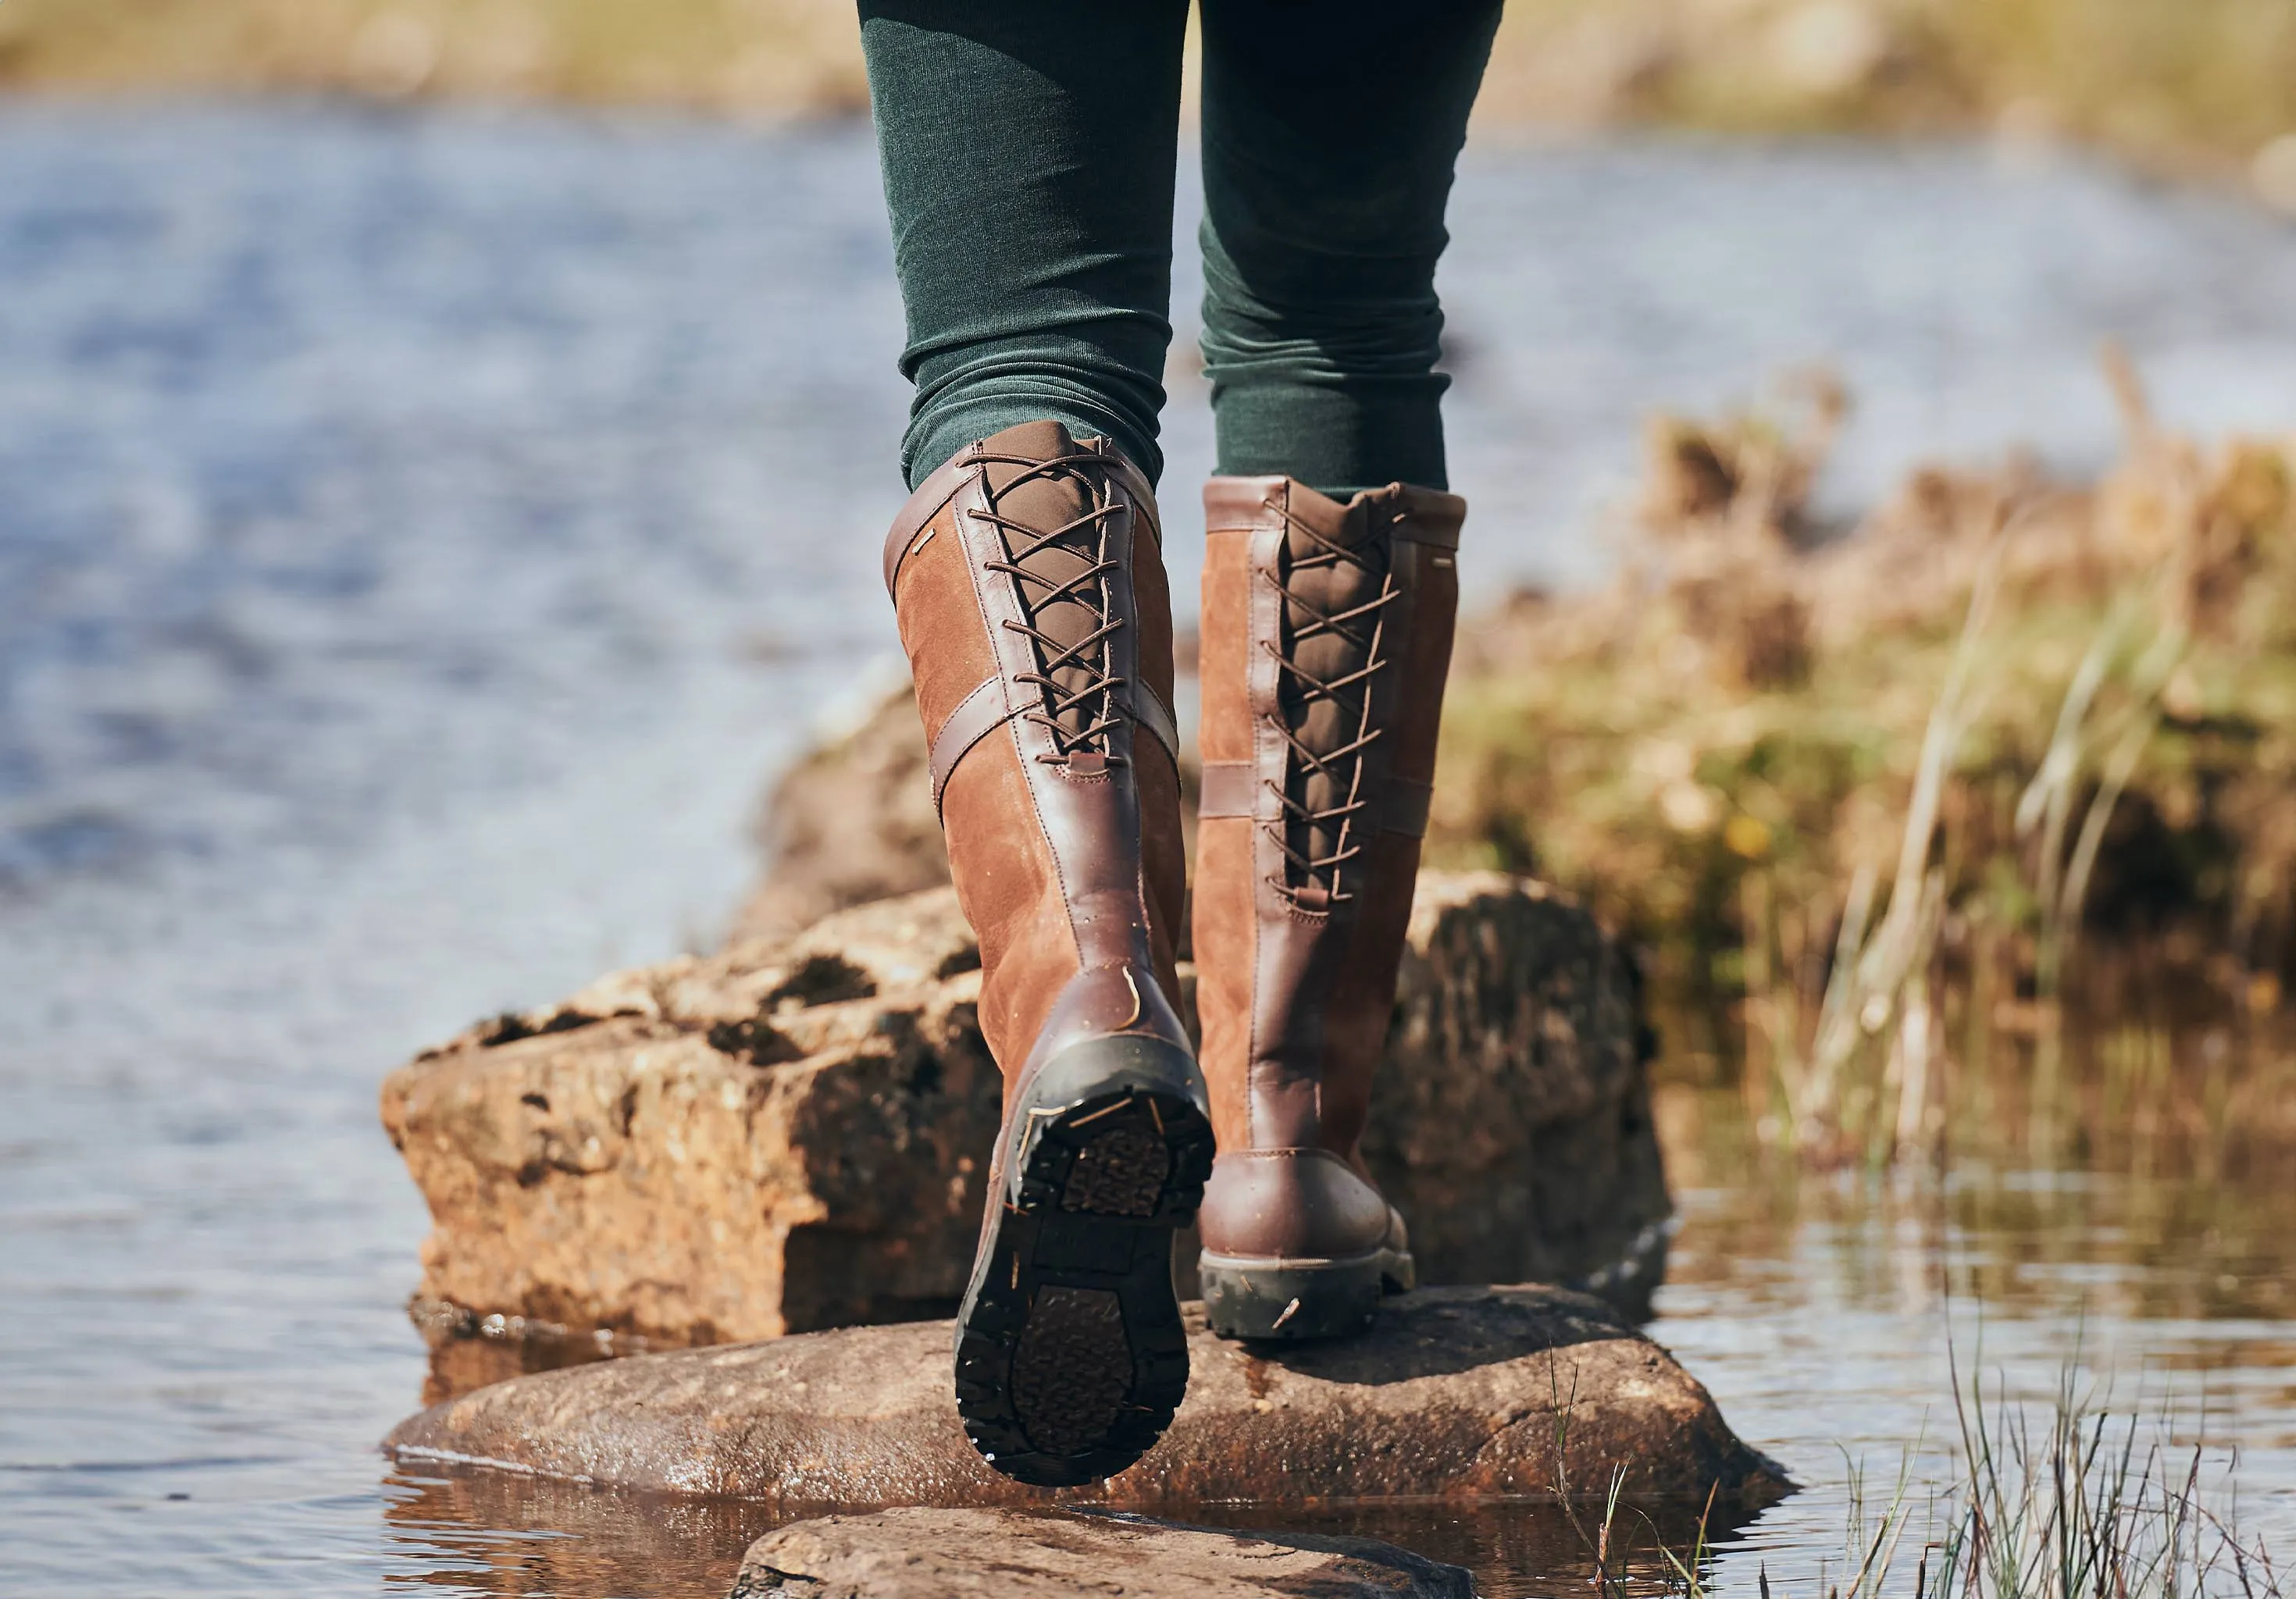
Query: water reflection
x=493, y=1532
x=479, y=1531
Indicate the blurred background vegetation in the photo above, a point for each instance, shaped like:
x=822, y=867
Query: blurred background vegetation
x=2191, y=86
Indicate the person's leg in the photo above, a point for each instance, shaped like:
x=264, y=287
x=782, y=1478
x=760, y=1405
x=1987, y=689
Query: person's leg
x=1329, y=142
x=1029, y=157
x=1330, y=587
x=1028, y=149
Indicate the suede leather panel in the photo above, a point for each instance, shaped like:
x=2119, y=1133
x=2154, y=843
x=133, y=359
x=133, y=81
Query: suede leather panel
x=1010, y=890
x=1226, y=931
x=1224, y=727
x=942, y=626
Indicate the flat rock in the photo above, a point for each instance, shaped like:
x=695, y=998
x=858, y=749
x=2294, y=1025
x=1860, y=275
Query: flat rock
x=793, y=1134
x=1454, y=1393
x=927, y=1553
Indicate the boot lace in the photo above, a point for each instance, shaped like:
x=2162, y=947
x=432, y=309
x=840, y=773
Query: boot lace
x=1081, y=707
x=1318, y=843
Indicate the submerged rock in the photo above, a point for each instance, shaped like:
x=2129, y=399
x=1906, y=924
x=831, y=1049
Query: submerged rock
x=1464, y=1393
x=794, y=1134
x=923, y=1554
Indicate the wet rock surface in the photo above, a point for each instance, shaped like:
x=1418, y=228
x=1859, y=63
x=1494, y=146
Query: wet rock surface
x=927, y=1553
x=1460, y=1393
x=793, y=1134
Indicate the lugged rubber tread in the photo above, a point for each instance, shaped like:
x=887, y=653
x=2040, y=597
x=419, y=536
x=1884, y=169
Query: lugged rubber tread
x=1071, y=1357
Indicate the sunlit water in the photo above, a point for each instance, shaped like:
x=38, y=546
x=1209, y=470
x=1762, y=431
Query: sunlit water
x=422, y=536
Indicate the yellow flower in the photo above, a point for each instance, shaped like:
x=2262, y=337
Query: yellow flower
x=1747, y=835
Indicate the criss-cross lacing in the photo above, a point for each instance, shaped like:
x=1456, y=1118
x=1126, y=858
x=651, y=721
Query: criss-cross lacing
x=1080, y=713
x=1313, y=880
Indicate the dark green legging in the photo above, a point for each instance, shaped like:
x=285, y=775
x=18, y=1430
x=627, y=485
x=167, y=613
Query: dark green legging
x=1029, y=152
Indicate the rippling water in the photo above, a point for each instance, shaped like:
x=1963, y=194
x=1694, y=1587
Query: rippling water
x=421, y=534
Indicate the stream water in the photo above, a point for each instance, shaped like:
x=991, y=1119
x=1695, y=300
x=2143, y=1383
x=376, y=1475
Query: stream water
x=423, y=534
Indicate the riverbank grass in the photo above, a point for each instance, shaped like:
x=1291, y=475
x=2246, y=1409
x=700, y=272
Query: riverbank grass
x=2062, y=1500
x=2008, y=748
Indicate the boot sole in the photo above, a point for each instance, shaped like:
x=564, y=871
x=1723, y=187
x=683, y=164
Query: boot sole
x=1295, y=1301
x=1070, y=1358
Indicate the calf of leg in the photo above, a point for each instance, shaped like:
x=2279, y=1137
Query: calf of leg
x=1330, y=136
x=1028, y=150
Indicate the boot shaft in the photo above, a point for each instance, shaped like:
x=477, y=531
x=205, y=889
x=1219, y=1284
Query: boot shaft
x=1327, y=632
x=1028, y=579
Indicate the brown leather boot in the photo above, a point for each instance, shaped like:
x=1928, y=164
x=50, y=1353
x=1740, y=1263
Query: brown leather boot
x=1327, y=639
x=1029, y=583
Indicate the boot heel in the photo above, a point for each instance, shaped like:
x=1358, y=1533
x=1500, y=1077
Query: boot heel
x=1271, y=1300
x=1070, y=1358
